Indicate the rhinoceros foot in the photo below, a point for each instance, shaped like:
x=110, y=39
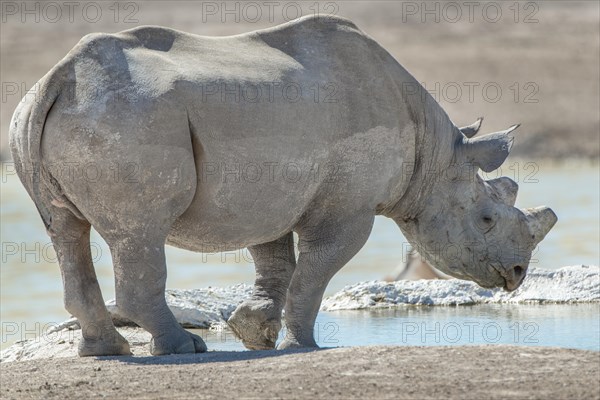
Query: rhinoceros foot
x=183, y=342
x=111, y=345
x=292, y=343
x=257, y=322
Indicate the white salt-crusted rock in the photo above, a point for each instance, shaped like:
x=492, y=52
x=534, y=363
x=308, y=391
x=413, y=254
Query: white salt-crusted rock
x=59, y=344
x=197, y=308
x=571, y=284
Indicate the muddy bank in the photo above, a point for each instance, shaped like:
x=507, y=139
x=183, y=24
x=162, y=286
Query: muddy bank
x=474, y=372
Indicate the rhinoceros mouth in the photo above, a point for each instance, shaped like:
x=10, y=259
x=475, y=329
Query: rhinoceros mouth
x=500, y=280
x=492, y=285
x=509, y=284
x=494, y=280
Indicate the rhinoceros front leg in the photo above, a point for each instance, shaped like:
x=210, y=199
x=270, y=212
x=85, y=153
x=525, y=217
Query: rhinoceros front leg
x=140, y=277
x=257, y=321
x=323, y=250
x=82, y=296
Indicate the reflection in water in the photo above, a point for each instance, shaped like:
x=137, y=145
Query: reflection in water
x=574, y=325
x=565, y=325
x=31, y=288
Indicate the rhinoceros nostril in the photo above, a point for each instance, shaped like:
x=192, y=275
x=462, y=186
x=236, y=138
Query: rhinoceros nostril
x=518, y=271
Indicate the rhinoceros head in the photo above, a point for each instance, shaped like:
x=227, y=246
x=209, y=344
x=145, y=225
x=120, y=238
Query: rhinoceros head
x=469, y=227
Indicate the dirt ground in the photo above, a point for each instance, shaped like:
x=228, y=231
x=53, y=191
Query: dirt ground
x=542, y=56
x=470, y=372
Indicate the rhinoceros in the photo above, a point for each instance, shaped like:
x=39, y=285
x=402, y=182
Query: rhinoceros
x=414, y=266
x=155, y=136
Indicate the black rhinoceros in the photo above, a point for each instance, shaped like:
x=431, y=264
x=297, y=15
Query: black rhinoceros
x=156, y=136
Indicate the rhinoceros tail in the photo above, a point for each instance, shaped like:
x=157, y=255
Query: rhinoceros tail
x=25, y=136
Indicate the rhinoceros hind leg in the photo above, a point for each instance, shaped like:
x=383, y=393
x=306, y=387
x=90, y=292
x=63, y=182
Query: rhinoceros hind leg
x=82, y=296
x=257, y=321
x=140, y=277
x=324, y=249
x=106, y=346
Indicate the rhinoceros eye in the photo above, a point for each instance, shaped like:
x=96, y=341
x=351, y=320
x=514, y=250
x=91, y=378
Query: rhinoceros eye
x=486, y=221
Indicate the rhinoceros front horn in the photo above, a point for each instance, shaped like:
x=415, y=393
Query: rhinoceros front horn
x=540, y=221
x=506, y=188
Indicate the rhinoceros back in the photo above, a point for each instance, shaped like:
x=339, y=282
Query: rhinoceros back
x=330, y=125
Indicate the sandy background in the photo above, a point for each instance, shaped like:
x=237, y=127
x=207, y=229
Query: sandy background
x=548, y=50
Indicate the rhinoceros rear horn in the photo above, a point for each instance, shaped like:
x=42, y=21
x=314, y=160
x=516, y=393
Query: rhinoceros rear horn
x=488, y=152
x=471, y=130
x=506, y=188
x=540, y=221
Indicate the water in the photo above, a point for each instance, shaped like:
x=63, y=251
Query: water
x=558, y=325
x=31, y=288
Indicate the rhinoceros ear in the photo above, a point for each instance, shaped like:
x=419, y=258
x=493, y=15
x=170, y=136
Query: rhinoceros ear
x=488, y=152
x=471, y=130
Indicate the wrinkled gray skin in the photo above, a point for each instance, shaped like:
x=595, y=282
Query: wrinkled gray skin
x=153, y=152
